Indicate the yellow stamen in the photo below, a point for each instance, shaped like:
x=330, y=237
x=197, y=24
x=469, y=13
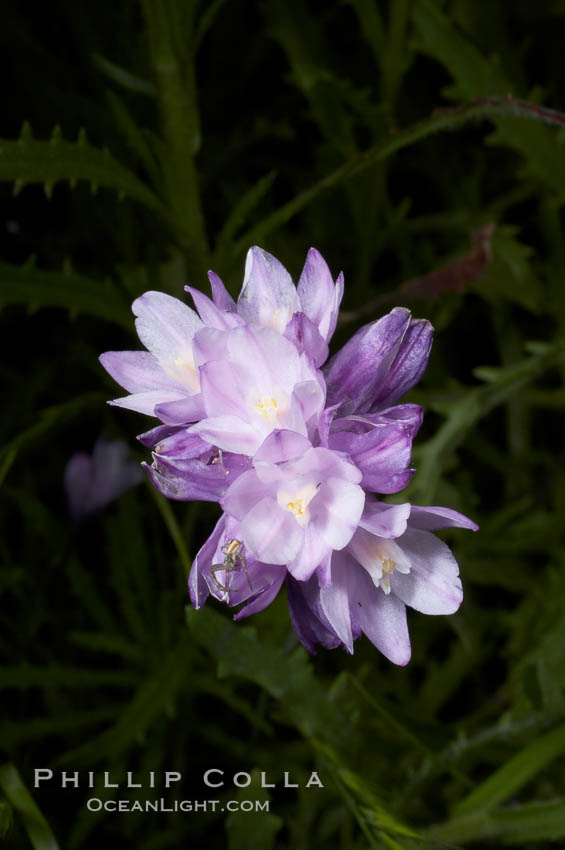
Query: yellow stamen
x=267, y=407
x=297, y=507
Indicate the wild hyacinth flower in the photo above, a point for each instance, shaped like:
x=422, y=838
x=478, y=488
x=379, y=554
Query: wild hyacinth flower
x=93, y=481
x=392, y=561
x=164, y=381
x=293, y=455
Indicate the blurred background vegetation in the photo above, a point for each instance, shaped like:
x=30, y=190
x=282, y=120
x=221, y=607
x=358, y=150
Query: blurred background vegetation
x=414, y=143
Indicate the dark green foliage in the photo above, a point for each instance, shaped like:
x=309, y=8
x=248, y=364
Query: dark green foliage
x=392, y=136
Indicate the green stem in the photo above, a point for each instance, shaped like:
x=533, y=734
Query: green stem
x=176, y=88
x=440, y=119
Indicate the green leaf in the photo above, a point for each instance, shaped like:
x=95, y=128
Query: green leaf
x=440, y=120
x=155, y=697
x=287, y=678
x=48, y=162
x=51, y=418
x=35, y=288
x=14, y=733
x=249, y=830
x=531, y=822
x=475, y=404
x=476, y=76
x=509, y=274
x=36, y=826
x=125, y=79
x=514, y=773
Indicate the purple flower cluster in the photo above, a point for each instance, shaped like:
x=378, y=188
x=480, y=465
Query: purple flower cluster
x=296, y=452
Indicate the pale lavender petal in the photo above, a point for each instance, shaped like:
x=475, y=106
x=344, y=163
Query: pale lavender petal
x=409, y=364
x=432, y=518
x=385, y=520
x=267, y=357
x=306, y=338
x=195, y=481
x=180, y=444
x=265, y=598
x=324, y=571
x=197, y=584
x=210, y=314
x=146, y=402
x=356, y=372
x=325, y=423
x=313, y=550
x=244, y=494
x=156, y=435
x=271, y=533
x=209, y=344
x=433, y=585
x=223, y=389
x=164, y=324
x=336, y=511
x=229, y=433
x=222, y=298
x=187, y=409
x=309, y=629
x=311, y=398
x=138, y=371
x=282, y=445
x=330, y=464
x=334, y=601
x=382, y=618
x=317, y=293
x=382, y=454
x=268, y=296
x=338, y=295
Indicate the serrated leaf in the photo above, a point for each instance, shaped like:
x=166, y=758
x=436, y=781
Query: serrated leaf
x=67, y=290
x=47, y=162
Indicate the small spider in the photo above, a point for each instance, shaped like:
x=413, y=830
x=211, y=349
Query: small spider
x=234, y=558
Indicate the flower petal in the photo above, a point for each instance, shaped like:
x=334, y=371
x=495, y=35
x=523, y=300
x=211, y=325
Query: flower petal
x=307, y=339
x=355, y=374
x=146, y=402
x=138, y=371
x=229, y=433
x=317, y=293
x=164, y=324
x=309, y=629
x=282, y=445
x=408, y=366
x=430, y=519
x=336, y=511
x=271, y=533
x=244, y=494
x=263, y=599
x=194, y=481
x=196, y=582
x=313, y=550
x=210, y=314
x=182, y=410
x=433, y=585
x=222, y=298
x=334, y=601
x=385, y=520
x=382, y=618
x=268, y=296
